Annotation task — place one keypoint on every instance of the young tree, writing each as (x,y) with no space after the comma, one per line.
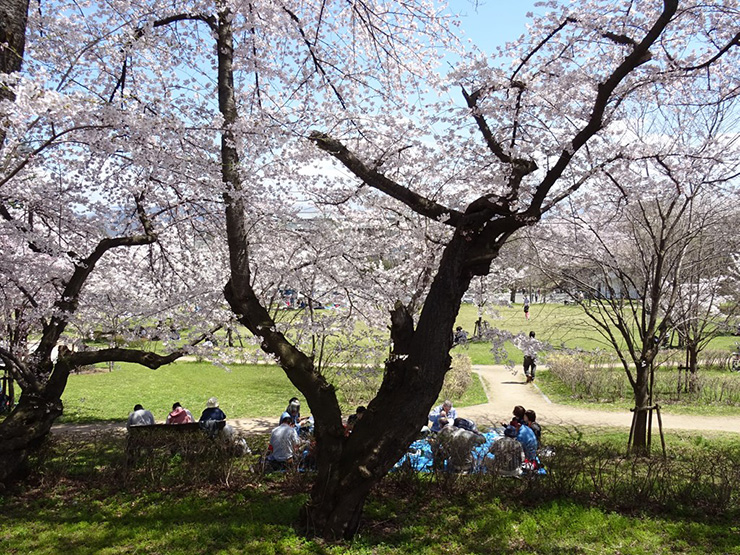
(703,310)
(635,249)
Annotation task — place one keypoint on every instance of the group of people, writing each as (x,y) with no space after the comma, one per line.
(454,440)
(518,448)
(289,441)
(292,440)
(178,415)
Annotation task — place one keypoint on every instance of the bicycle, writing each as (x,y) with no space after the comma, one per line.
(733,361)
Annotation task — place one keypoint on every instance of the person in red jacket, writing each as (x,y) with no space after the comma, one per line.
(179,415)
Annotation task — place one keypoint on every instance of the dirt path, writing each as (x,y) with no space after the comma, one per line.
(504,390)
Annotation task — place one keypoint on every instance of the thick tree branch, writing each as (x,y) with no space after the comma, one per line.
(69,299)
(138,356)
(376,180)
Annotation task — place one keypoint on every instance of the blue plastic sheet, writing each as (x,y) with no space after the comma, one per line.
(420,456)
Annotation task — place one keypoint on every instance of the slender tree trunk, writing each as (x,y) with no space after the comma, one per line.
(693,364)
(642,399)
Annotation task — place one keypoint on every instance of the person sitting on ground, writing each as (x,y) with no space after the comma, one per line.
(140,417)
(508,454)
(518,418)
(294,409)
(446,410)
(530,418)
(352,419)
(283,443)
(179,415)
(455,445)
(526,437)
(460,337)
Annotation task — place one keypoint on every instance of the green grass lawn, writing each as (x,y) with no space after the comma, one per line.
(557,324)
(246,391)
(257,521)
(243,391)
(80,500)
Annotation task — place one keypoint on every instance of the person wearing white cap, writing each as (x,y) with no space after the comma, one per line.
(213,415)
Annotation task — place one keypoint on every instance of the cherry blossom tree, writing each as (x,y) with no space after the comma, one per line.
(538,131)
(705,308)
(72,196)
(542,127)
(173,80)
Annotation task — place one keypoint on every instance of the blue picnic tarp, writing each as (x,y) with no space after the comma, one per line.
(420,456)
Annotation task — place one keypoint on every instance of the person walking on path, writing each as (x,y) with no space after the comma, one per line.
(530,357)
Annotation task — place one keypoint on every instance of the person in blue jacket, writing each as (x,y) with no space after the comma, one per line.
(526,437)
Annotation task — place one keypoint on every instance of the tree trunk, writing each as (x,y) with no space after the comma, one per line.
(13,20)
(25,430)
(414,376)
(347,472)
(642,400)
(693,364)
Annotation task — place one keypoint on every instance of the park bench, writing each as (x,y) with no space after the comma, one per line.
(189,440)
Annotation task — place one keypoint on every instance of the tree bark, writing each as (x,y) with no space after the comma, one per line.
(642,401)
(23,431)
(13,20)
(414,376)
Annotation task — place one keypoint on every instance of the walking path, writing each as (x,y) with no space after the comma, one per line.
(504,391)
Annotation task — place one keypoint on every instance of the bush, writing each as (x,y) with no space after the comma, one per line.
(459,378)
(586,376)
(597,377)
(696,480)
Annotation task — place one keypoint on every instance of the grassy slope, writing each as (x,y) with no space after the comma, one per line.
(243,391)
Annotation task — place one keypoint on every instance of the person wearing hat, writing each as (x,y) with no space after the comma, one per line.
(508,454)
(283,443)
(213,421)
(212,411)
